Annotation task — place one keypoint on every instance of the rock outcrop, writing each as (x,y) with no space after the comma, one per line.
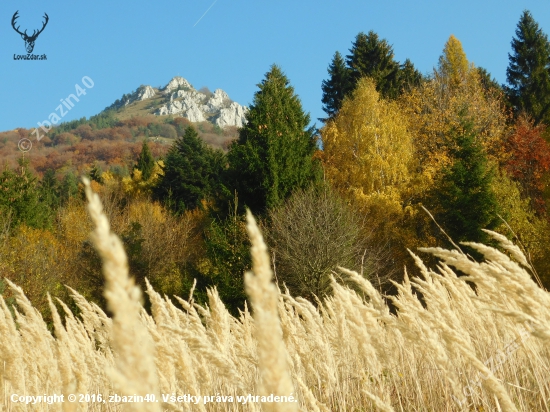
(234,115)
(179,98)
(216,107)
(141,93)
(175,83)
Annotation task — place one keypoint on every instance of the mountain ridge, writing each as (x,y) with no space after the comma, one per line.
(180,99)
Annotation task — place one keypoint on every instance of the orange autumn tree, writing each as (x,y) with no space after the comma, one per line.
(528,161)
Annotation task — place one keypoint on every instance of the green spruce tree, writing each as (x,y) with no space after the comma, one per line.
(528,72)
(408,77)
(146,162)
(463,197)
(69,187)
(192,173)
(488,82)
(372,57)
(274,152)
(337,87)
(95,173)
(49,189)
(20,198)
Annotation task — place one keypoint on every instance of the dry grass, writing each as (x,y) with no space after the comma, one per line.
(457,349)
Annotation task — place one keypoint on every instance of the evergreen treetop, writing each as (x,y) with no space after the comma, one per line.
(337,86)
(528,72)
(191,172)
(21,198)
(146,162)
(373,57)
(274,151)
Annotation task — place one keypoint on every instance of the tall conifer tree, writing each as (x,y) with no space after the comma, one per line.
(464,195)
(408,77)
(191,173)
(528,72)
(20,197)
(337,86)
(274,152)
(146,162)
(372,57)
(453,65)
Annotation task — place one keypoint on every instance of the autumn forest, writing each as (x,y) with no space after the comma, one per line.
(402,160)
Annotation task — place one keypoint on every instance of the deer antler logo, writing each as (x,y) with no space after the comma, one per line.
(29,40)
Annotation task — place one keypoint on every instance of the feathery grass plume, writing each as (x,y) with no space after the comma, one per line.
(11,354)
(95,321)
(35,338)
(135,371)
(64,352)
(264,295)
(501,277)
(314,403)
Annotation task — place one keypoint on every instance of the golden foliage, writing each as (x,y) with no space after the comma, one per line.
(443,103)
(367,147)
(531,231)
(36,260)
(136,186)
(453,64)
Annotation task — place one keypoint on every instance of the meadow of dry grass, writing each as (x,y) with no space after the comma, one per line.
(460,348)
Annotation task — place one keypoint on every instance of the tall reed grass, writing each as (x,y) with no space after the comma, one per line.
(457,348)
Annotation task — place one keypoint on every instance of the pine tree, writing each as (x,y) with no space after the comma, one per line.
(191,173)
(146,162)
(69,187)
(49,189)
(488,82)
(20,198)
(95,173)
(274,152)
(464,198)
(372,57)
(337,87)
(528,72)
(408,77)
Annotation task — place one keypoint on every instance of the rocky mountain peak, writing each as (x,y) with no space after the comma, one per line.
(180,99)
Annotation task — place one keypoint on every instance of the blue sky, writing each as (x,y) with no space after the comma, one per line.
(121,45)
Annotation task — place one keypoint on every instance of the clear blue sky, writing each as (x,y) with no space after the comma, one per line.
(121,45)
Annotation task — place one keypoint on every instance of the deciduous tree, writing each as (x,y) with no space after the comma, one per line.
(367,147)
(528,160)
(454,92)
